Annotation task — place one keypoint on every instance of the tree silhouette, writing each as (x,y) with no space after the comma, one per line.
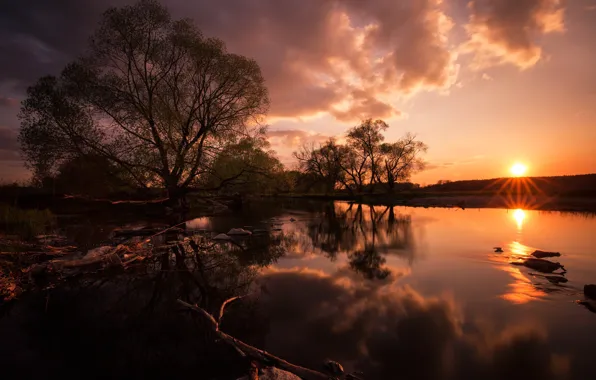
(152,95)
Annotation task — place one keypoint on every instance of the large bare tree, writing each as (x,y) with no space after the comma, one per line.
(151,94)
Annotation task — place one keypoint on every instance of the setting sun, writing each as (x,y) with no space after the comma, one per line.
(518,169)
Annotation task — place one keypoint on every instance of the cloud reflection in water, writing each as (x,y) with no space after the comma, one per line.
(390,330)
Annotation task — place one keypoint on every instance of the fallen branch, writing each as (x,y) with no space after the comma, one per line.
(248,350)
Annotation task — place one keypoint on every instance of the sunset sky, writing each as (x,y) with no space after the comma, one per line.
(485,83)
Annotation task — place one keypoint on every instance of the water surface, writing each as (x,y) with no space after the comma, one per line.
(421,292)
(394,292)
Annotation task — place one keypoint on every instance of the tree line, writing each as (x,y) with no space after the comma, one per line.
(364,162)
(152,103)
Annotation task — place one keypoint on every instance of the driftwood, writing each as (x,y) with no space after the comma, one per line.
(253,352)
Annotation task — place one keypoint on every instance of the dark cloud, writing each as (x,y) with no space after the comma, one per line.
(38,37)
(390,331)
(508,31)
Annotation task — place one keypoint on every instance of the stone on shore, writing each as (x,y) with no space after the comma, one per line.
(239,232)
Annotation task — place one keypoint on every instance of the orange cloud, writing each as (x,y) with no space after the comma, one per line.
(507,31)
(347,58)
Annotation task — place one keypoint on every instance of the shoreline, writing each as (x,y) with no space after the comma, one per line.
(543,203)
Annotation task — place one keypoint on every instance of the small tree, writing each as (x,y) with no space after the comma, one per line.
(400,160)
(246,167)
(151,95)
(323,164)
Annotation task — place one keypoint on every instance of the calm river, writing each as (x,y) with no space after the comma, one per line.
(394,292)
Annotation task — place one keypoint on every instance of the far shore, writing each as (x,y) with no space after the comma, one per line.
(544,203)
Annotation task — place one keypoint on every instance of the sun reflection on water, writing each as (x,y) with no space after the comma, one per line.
(521,289)
(519,215)
(518,249)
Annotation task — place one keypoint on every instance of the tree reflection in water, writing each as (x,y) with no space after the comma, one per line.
(366,234)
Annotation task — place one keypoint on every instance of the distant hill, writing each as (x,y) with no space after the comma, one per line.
(573,186)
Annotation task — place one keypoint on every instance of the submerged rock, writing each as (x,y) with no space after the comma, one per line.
(540,265)
(590,291)
(239,232)
(556,279)
(498,250)
(542,254)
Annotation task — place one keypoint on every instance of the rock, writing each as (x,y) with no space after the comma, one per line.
(239,232)
(542,254)
(541,265)
(334,368)
(498,249)
(222,237)
(556,279)
(590,291)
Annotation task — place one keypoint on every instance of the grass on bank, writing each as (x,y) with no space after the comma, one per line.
(25,223)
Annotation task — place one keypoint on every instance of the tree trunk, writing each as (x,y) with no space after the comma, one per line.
(177,198)
(391,186)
